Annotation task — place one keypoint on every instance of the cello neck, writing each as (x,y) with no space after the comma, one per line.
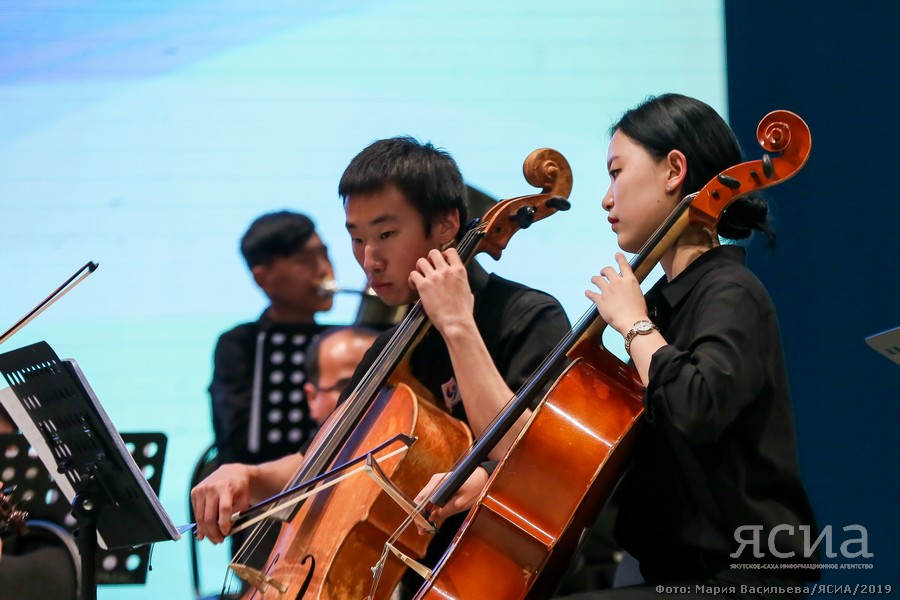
(590,327)
(404,340)
(779,131)
(588,330)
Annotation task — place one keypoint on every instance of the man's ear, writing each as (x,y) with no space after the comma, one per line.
(445,228)
(260,276)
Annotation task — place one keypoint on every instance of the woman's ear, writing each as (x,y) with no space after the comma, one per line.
(676,170)
(445,228)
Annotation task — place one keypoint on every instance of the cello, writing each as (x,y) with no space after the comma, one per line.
(11,517)
(325,541)
(515,544)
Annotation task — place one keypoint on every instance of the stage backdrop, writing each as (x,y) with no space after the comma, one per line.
(147,135)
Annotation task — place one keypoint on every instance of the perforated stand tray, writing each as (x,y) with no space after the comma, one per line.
(37,493)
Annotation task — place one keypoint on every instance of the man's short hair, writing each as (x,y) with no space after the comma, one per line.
(427,176)
(313,371)
(275,235)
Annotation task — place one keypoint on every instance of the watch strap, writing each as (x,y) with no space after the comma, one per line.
(640,327)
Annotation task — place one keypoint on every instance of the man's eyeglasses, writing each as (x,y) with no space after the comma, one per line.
(310,256)
(338,386)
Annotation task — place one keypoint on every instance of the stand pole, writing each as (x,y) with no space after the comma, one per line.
(85,511)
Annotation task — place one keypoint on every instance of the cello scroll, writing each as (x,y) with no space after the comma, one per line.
(779,131)
(544,168)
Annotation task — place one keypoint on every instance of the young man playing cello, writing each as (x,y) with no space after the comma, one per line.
(405,205)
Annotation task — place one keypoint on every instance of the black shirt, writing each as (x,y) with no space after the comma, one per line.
(519,326)
(717,451)
(259,410)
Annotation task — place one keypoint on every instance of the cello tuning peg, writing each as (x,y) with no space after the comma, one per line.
(728,181)
(559,203)
(524,217)
(768,167)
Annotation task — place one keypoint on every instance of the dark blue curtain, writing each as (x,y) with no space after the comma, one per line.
(834,271)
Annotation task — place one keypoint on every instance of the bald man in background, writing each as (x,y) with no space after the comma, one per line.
(330,362)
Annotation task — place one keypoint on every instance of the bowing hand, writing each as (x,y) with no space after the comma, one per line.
(218,497)
(462,500)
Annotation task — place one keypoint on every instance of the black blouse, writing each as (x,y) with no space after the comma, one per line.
(718,450)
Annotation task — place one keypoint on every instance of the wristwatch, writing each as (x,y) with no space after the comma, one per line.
(642,327)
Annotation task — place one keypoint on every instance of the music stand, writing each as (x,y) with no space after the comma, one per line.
(35,491)
(887,343)
(54,406)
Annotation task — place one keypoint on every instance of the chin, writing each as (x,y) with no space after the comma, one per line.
(628,245)
(394,300)
(633,241)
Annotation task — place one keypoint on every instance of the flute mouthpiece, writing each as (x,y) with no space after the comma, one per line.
(328,287)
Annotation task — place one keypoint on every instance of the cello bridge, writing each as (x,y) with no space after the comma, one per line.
(257,578)
(374,470)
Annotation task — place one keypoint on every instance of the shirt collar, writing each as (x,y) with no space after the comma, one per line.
(478,277)
(676,291)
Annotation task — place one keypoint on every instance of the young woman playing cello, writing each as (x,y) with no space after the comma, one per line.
(715,467)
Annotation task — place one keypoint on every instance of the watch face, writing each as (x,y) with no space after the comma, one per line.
(643,326)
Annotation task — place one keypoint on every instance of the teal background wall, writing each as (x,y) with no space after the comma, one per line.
(146,135)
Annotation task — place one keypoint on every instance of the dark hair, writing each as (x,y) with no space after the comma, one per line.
(427,176)
(275,235)
(312,352)
(669,122)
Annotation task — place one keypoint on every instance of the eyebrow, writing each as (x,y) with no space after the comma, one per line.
(376,221)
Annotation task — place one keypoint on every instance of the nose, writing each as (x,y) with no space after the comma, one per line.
(607,201)
(325,268)
(372,261)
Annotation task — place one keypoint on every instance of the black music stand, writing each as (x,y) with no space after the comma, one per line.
(54,406)
(36,492)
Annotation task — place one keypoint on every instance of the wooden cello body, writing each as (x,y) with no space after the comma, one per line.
(519,538)
(544,495)
(322,550)
(327,545)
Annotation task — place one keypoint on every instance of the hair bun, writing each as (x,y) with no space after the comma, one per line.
(745,216)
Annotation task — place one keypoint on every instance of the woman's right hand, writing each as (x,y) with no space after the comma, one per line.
(219,496)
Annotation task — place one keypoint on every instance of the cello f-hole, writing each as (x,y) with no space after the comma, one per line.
(309,575)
